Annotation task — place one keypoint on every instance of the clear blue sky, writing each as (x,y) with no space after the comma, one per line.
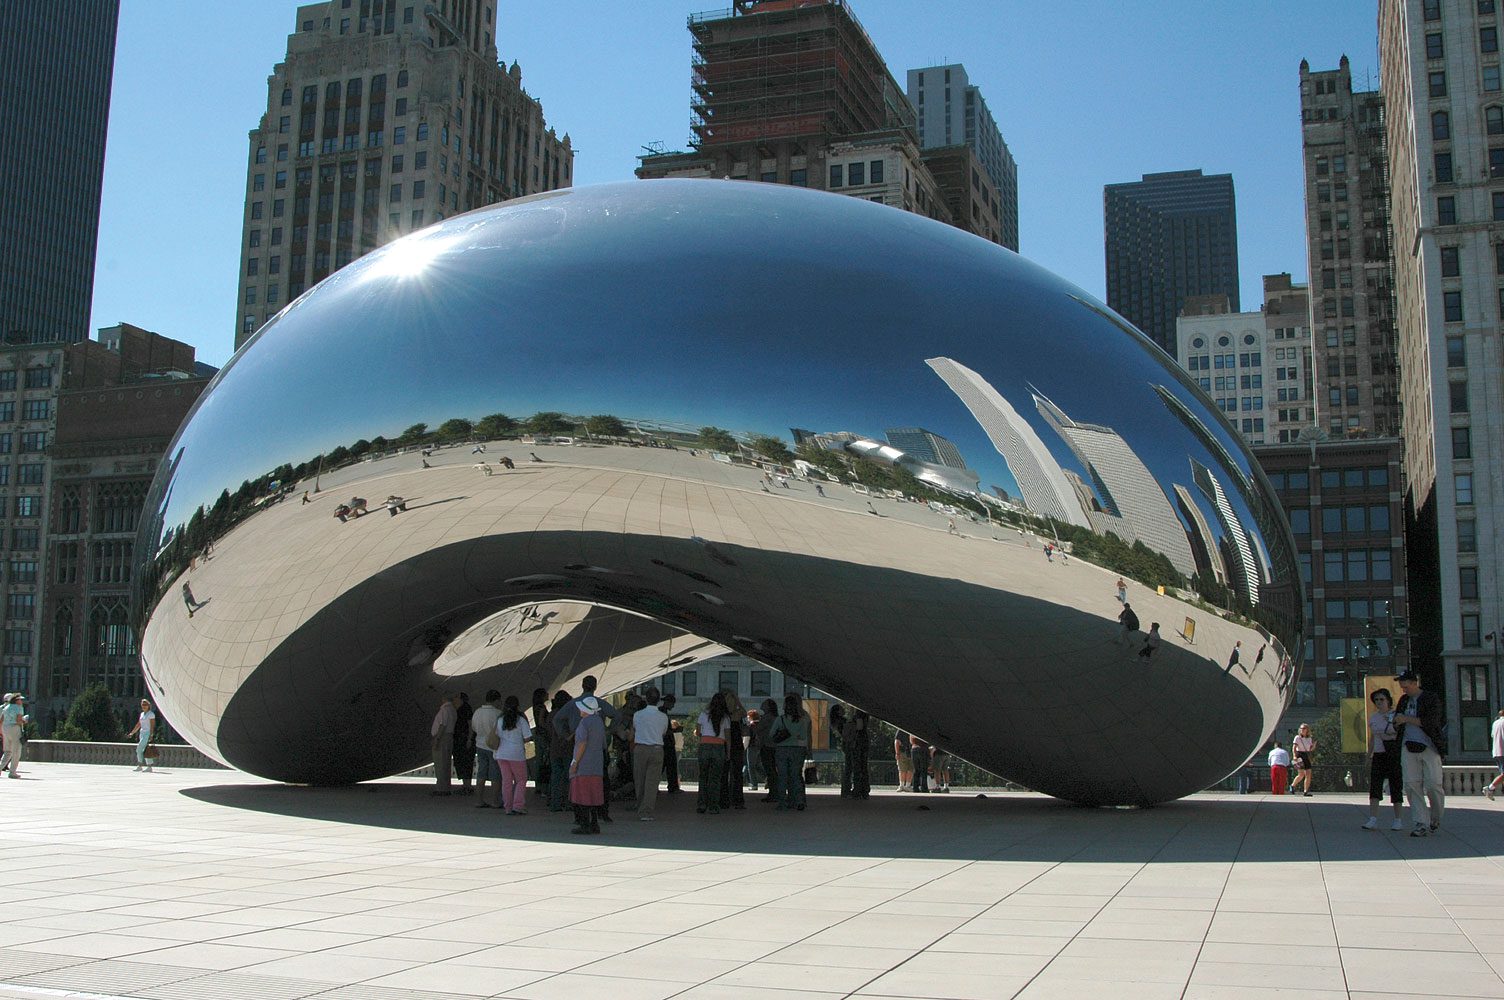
(1086,94)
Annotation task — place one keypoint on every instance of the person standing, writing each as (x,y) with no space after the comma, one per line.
(940,769)
(442,734)
(587,766)
(648,726)
(671,745)
(1384,762)
(513,732)
(464,743)
(1151,642)
(1304,746)
(13,720)
(561,750)
(1279,769)
(1129,620)
(791,738)
(732,794)
(486,738)
(1122,592)
(146,725)
(1418,718)
(902,756)
(543,739)
(919,752)
(765,750)
(853,743)
(606,715)
(1497,735)
(714,730)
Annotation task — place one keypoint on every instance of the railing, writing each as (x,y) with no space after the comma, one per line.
(169,755)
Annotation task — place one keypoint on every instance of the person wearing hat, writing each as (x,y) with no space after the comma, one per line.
(587,771)
(13,719)
(1418,721)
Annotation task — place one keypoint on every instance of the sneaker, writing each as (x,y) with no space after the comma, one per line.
(1420,831)
(1435,826)
(1490,794)
(1397,825)
(1489,791)
(1306,795)
(148,768)
(1372,824)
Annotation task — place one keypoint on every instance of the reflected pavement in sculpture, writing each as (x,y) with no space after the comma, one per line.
(641,355)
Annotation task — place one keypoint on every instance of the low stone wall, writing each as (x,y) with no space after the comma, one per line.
(174,755)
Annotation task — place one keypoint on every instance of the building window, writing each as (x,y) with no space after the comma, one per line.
(1446,211)
(1443,168)
(1451,263)
(1456,354)
(419,189)
(1491,80)
(1467,583)
(1467,536)
(1434,49)
(1441,126)
(1462,442)
(1475,706)
(24,606)
(1462,488)
(1493,119)
(36,409)
(875,171)
(1488,39)
(1438,83)
(1431,10)
(1457,396)
(1451,306)
(856,174)
(762,684)
(690,681)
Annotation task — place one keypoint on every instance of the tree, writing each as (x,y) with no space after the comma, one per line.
(771,448)
(379,443)
(338,456)
(414,434)
(455,429)
(495,425)
(91,717)
(359,448)
(717,439)
(829,461)
(605,425)
(549,422)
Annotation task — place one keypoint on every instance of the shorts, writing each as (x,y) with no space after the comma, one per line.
(1303,760)
(1499,762)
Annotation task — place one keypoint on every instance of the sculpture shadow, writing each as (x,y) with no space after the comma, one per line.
(1023,827)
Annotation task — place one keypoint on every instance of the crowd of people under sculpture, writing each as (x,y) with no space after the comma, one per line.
(586,753)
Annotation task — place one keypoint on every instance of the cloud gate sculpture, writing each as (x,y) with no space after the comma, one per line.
(702,405)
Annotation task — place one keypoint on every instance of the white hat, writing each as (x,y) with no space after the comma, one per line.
(588,706)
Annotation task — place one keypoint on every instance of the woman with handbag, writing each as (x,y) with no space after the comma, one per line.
(715,732)
(146,725)
(791,745)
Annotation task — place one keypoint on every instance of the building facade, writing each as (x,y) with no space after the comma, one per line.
(1350,258)
(1169,236)
(1345,505)
(951,112)
(383,118)
(927,446)
(1444,118)
(56,64)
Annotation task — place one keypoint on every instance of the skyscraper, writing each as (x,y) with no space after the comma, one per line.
(1237,553)
(56,62)
(1169,236)
(927,446)
(384,117)
(1444,117)
(1041,480)
(1356,391)
(952,112)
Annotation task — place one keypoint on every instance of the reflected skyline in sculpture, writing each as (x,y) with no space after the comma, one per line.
(718,467)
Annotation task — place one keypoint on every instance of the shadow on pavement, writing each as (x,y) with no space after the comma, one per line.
(1000,827)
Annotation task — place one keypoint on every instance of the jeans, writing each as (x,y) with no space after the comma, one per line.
(1423,786)
(558,789)
(485,767)
(790,775)
(647,769)
(141,742)
(712,764)
(921,758)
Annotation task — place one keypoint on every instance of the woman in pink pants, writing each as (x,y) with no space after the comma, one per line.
(513,731)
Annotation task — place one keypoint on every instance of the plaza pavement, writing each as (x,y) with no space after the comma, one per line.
(194,885)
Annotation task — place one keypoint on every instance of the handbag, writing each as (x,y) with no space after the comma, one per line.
(810,773)
(1415,746)
(781,732)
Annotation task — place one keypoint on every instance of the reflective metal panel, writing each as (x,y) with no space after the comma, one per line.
(692,383)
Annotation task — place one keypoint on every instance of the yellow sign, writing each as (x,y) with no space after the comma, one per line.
(1190,630)
(1354,725)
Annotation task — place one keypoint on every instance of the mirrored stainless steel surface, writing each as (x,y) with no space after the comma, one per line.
(829,435)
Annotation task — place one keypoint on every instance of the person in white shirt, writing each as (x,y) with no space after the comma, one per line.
(1384,764)
(1279,768)
(146,724)
(1498,740)
(649,726)
(512,733)
(442,735)
(483,725)
(1304,746)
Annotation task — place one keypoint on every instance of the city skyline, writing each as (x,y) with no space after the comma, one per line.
(143,246)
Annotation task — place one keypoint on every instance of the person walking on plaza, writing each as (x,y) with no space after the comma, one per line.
(671,745)
(561,749)
(143,730)
(714,730)
(513,732)
(193,603)
(766,752)
(1384,762)
(587,766)
(732,789)
(543,739)
(486,738)
(464,743)
(1279,769)
(1497,737)
(648,726)
(1304,746)
(919,753)
(1418,718)
(791,738)
(13,720)
(1237,654)
(1151,642)
(442,734)
(903,757)
(1129,620)
(1122,591)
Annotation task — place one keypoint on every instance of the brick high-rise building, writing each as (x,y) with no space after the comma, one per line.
(384,117)
(1356,384)
(1444,115)
(1168,237)
(56,62)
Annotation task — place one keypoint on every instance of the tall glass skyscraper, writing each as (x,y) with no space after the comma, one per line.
(56,61)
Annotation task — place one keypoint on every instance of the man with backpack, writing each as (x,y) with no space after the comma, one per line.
(483,725)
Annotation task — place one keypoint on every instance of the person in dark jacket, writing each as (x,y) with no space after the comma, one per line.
(561,750)
(765,747)
(670,745)
(1418,719)
(464,744)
